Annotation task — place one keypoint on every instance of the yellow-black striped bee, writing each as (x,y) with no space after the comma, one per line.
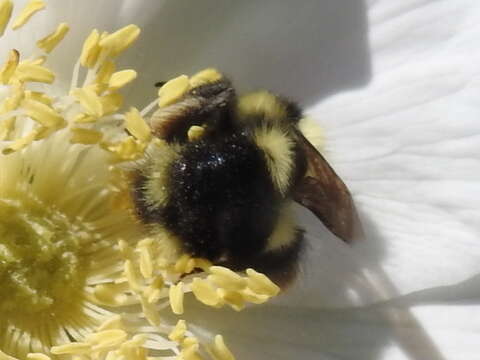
(226,173)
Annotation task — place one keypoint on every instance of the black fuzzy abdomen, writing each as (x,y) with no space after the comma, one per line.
(222,202)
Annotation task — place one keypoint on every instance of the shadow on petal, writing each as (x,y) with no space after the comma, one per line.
(305,51)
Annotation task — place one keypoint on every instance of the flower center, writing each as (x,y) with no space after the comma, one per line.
(40,262)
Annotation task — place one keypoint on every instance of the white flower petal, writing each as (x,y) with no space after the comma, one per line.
(407,146)
(388,331)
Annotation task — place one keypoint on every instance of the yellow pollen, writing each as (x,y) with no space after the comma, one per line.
(49,42)
(173,90)
(252,297)
(190,352)
(220,349)
(178,332)
(106,338)
(185,264)
(10,66)
(84,118)
(89,100)
(132,276)
(176,298)
(44,131)
(111,103)
(27,12)
(38,356)
(90,49)
(195,132)
(189,341)
(261,284)
(6,7)
(205,292)
(146,263)
(20,143)
(91,298)
(227,278)
(71,348)
(232,298)
(203,264)
(85,136)
(127,149)
(106,71)
(120,40)
(137,126)
(28,71)
(4,356)
(42,113)
(121,78)
(14,100)
(204,77)
(111,294)
(39,96)
(6,127)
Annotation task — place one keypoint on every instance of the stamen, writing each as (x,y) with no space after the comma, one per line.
(173,90)
(30,71)
(12,102)
(38,356)
(111,103)
(232,298)
(42,113)
(10,66)
(220,350)
(106,338)
(120,40)
(146,263)
(6,7)
(39,96)
(149,107)
(77,348)
(176,298)
(253,297)
(127,149)
(28,11)
(184,265)
(75,74)
(89,100)
(91,49)
(83,118)
(85,136)
(6,127)
(226,278)
(205,293)
(121,78)
(142,276)
(49,42)
(4,356)
(105,72)
(204,77)
(178,332)
(261,284)
(150,311)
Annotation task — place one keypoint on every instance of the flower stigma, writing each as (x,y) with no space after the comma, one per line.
(81,279)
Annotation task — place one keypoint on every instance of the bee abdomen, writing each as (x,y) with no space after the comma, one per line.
(222,201)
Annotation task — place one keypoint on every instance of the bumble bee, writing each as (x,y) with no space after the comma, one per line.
(225,173)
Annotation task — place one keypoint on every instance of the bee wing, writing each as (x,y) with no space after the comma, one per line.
(325,194)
